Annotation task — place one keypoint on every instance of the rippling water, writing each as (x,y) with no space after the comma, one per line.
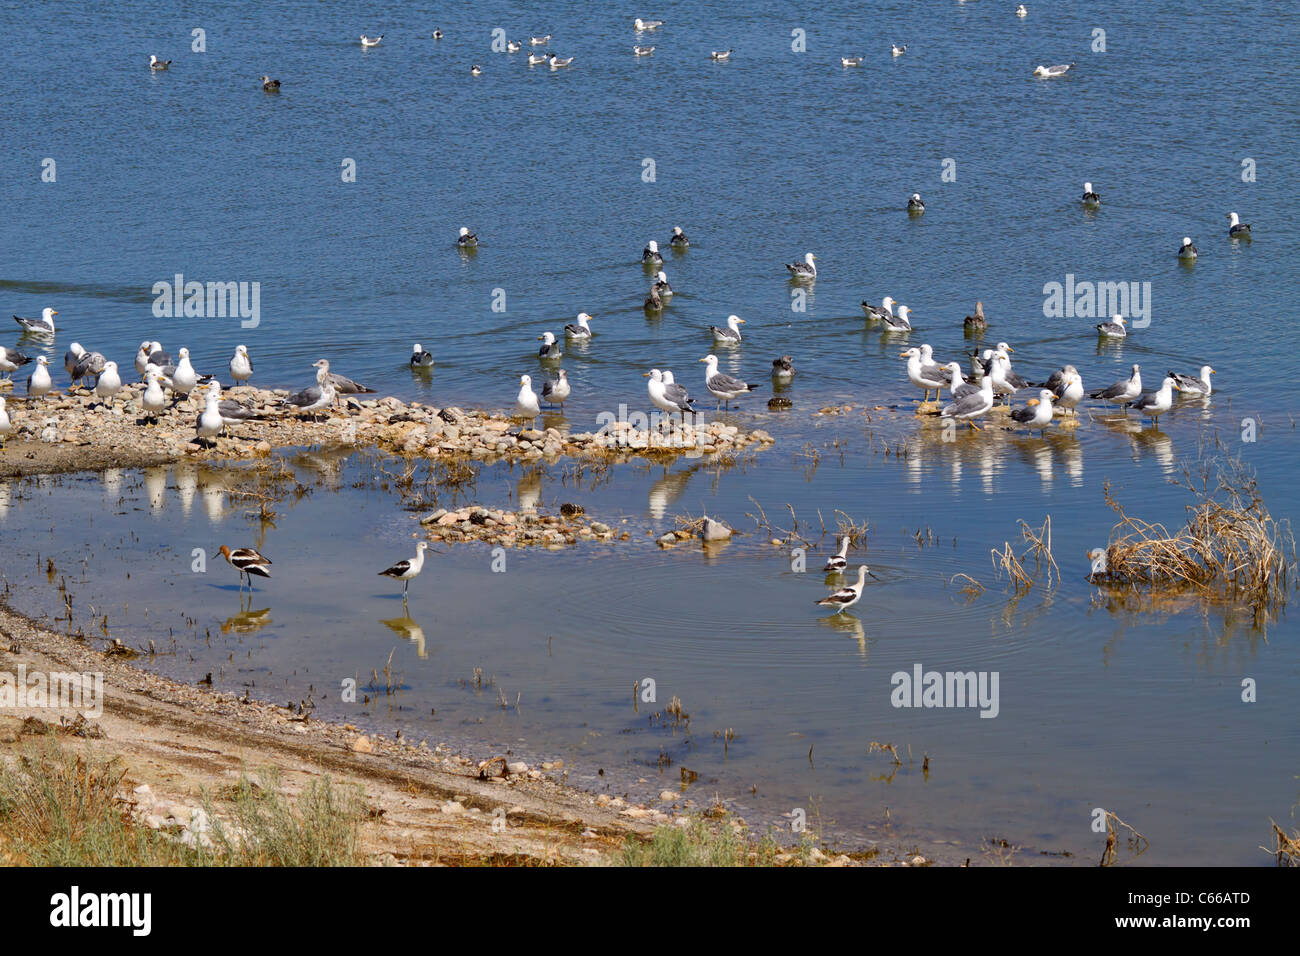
(760,160)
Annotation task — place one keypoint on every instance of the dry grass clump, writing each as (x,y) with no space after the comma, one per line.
(1006,561)
(1285,849)
(1231,549)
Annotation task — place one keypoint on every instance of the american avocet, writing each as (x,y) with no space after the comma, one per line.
(241,366)
(39,382)
(731,333)
(1098,566)
(420,358)
(804,270)
(248,562)
(407,568)
(840,559)
(42,326)
(720,385)
(1192,385)
(1123,391)
(846,597)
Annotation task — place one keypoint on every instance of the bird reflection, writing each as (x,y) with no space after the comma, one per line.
(155,483)
(247,620)
(668,488)
(187,483)
(849,624)
(528,490)
(406,628)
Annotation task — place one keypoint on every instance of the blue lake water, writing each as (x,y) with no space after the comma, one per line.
(760,159)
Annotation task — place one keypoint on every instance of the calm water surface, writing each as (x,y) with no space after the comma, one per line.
(760,160)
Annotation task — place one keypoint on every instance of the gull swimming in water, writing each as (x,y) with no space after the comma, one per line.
(643,25)
(1187,250)
(537,59)
(976,322)
(840,559)
(367,41)
(879,314)
(466,239)
(158,65)
(915,205)
(896,50)
(108,384)
(850,61)
(247,561)
(580,331)
(720,385)
(1123,391)
(653,302)
(901,322)
(1193,385)
(642,50)
(1114,329)
(269,85)
(804,270)
(241,366)
(550,349)
(731,334)
(11,360)
(661,284)
(1155,404)
(557,62)
(651,254)
(782,369)
(1022,11)
(1236,228)
(1037,412)
(679,240)
(407,568)
(420,358)
(42,326)
(1059,69)
(555,391)
(972,406)
(539,41)
(846,597)
(720,55)
(526,403)
(476,70)
(39,382)
(1090,198)
(514,46)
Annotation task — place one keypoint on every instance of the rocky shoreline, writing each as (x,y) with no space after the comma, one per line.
(74,431)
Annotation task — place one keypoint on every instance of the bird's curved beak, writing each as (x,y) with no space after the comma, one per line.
(872,574)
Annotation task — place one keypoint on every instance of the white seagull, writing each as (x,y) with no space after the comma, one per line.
(158,65)
(550,349)
(241,366)
(581,330)
(1123,391)
(720,55)
(1059,69)
(850,61)
(1187,250)
(651,254)
(721,386)
(914,204)
(42,326)
(731,333)
(1114,329)
(1037,413)
(643,25)
(367,41)
(1236,228)
(804,270)
(39,382)
(972,406)
(108,384)
(555,391)
(153,400)
(1156,403)
(1193,385)
(420,358)
(1090,198)
(526,403)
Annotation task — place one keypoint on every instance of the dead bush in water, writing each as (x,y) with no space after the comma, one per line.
(1231,549)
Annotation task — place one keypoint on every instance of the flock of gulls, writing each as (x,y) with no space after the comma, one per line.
(1061,392)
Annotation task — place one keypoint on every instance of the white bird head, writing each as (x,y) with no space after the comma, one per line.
(322,364)
(585,317)
(887,304)
(1003,347)
(911,353)
(1232,218)
(42,360)
(464,230)
(653,246)
(110,367)
(1187,240)
(1087,187)
(525,380)
(735,320)
(546,337)
(1118,320)
(662,276)
(47,315)
(144,347)
(241,349)
(1206,371)
(184,353)
(421,547)
(76,349)
(415,349)
(711,360)
(155,347)
(654,375)
(904,312)
(916,197)
(810,258)
(677,230)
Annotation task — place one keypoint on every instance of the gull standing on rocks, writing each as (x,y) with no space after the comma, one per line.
(241,366)
(181,378)
(11,360)
(730,334)
(315,397)
(210,424)
(420,358)
(720,385)
(804,270)
(108,384)
(153,400)
(39,382)
(526,403)
(1122,392)
(555,391)
(974,405)
(42,326)
(845,598)
(6,426)
(247,561)
(407,568)
(1037,413)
